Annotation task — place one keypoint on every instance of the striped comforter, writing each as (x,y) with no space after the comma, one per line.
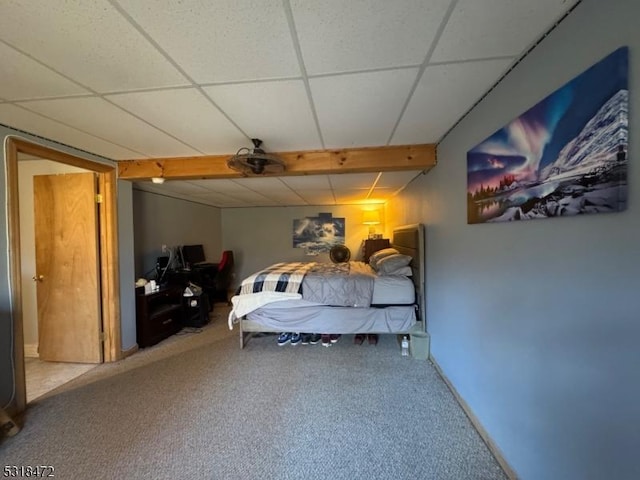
(280,277)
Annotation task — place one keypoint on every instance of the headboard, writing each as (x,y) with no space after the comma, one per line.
(409,240)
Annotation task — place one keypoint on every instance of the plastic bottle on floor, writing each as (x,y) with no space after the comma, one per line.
(405,346)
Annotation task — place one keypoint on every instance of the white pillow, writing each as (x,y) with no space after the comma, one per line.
(375,257)
(404,271)
(392,263)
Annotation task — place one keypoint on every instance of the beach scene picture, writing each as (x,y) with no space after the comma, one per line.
(566,155)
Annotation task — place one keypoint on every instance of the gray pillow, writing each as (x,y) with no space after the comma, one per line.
(375,257)
(392,263)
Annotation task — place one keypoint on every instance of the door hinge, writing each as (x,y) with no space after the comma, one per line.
(98,198)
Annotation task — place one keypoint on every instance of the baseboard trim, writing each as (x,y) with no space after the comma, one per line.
(493,448)
(129,352)
(31,350)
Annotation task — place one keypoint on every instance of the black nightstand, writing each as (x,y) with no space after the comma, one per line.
(373,245)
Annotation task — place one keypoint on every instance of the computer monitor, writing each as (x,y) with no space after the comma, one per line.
(193,254)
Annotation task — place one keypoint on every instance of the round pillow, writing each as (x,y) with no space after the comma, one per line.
(339,254)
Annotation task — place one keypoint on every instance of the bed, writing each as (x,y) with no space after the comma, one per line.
(351,297)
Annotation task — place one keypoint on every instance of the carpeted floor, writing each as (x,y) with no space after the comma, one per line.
(197,406)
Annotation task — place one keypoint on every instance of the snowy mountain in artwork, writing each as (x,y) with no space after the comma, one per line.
(596,143)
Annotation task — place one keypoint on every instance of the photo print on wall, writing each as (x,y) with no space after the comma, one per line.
(318,234)
(567,155)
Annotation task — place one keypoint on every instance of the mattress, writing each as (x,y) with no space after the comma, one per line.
(393,290)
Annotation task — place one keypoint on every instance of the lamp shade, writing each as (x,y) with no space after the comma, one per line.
(371,217)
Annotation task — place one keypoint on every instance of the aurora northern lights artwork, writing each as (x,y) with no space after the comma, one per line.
(567,155)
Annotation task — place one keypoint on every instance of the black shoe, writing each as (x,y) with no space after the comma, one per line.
(314,339)
(305,338)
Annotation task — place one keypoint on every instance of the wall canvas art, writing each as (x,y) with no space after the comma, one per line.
(564,156)
(318,234)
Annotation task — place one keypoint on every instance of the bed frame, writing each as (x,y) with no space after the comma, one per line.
(408,240)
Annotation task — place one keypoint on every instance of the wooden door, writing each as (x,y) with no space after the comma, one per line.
(67,268)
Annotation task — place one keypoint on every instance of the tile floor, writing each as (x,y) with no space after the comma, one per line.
(42,377)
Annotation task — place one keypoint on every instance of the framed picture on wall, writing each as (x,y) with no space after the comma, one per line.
(566,155)
(318,234)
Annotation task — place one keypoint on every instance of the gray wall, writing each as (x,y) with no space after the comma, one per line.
(537,323)
(127,273)
(260,237)
(160,220)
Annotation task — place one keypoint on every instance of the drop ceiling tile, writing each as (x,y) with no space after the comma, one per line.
(494,28)
(287,198)
(224,186)
(184,187)
(89,41)
(186,114)
(339,36)
(444,94)
(353,180)
(308,182)
(396,179)
(277,112)
(102,119)
(263,184)
(350,196)
(225,40)
(318,197)
(22,77)
(38,125)
(360,109)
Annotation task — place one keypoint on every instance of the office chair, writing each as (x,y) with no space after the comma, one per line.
(222,281)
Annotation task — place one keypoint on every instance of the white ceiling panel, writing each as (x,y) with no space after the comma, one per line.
(318,197)
(89,41)
(22,77)
(353,180)
(348,196)
(360,109)
(339,36)
(279,113)
(308,182)
(184,187)
(487,28)
(263,184)
(102,119)
(230,187)
(225,40)
(396,179)
(444,94)
(186,114)
(32,122)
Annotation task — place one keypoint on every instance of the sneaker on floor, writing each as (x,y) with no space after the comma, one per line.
(296,338)
(306,337)
(334,337)
(284,338)
(314,339)
(326,340)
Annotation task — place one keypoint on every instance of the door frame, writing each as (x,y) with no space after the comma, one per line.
(108,255)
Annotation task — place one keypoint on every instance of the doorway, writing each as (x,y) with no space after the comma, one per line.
(107,259)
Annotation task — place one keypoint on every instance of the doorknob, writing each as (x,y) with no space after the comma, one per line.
(38,278)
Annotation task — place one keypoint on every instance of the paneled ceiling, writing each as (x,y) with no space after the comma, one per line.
(132,79)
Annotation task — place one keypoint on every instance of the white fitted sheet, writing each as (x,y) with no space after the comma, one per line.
(393,290)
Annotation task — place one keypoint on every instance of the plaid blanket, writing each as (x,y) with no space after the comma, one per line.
(281,277)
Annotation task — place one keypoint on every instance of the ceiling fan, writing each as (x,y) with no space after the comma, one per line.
(255,161)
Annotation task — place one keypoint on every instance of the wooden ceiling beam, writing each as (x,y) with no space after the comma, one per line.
(311,162)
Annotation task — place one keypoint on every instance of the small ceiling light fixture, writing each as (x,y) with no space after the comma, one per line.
(157,180)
